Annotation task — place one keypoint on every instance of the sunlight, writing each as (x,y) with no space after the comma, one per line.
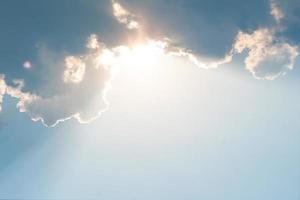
(143,54)
(148,52)
(139,55)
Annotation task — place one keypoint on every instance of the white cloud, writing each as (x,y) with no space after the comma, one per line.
(124,16)
(91,73)
(199,61)
(15,92)
(84,80)
(84,101)
(2,89)
(74,70)
(23,97)
(128,18)
(92,42)
(81,93)
(276,12)
(268,56)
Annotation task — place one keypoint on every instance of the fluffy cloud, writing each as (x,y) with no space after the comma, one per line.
(2,89)
(75,70)
(268,56)
(207,28)
(276,12)
(85,81)
(78,83)
(15,92)
(124,16)
(81,92)
(93,42)
(83,100)
(24,98)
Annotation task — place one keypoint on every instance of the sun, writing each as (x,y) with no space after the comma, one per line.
(140,55)
(148,52)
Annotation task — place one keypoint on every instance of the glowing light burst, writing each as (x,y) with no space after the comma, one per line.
(138,56)
(147,53)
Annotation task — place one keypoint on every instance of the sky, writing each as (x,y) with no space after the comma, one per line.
(144,99)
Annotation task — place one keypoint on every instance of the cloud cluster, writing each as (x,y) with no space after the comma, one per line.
(268,56)
(276,12)
(2,89)
(207,28)
(124,16)
(83,80)
(75,70)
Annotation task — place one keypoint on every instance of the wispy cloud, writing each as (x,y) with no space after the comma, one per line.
(2,89)
(86,79)
(276,12)
(124,16)
(268,56)
(81,87)
(84,84)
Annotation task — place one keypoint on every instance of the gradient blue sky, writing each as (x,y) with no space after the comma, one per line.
(173,130)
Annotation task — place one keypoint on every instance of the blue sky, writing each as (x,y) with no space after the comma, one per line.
(149,100)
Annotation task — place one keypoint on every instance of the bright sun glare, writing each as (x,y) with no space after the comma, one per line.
(141,54)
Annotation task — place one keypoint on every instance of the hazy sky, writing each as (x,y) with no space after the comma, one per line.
(149,99)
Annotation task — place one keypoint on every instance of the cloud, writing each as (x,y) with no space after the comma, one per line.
(2,89)
(74,70)
(210,39)
(268,56)
(207,28)
(197,59)
(84,100)
(290,22)
(77,85)
(93,42)
(24,98)
(276,12)
(124,16)
(81,93)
